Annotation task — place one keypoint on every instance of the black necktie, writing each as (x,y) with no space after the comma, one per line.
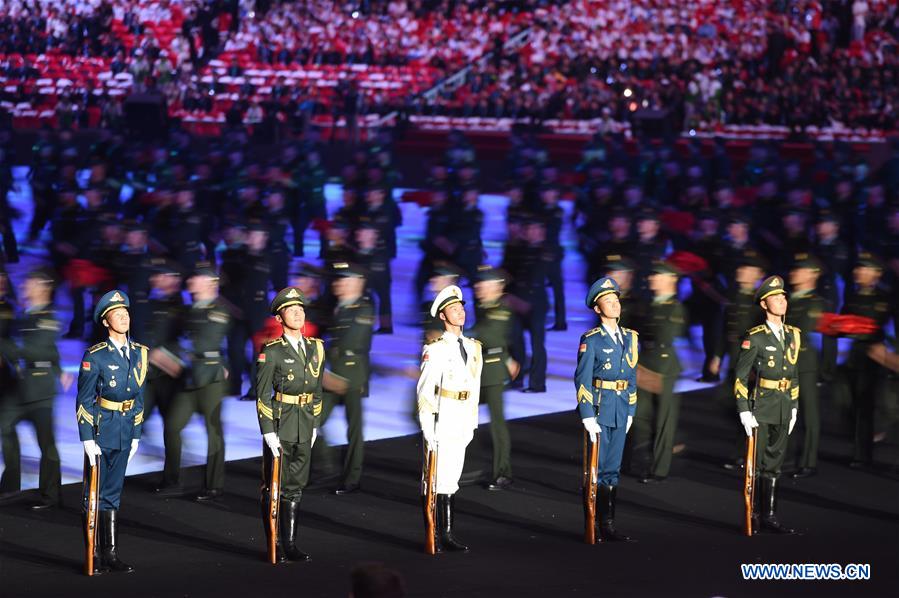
(125,355)
(619,338)
(462,350)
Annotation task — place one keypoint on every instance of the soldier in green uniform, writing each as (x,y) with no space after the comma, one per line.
(771,350)
(867,299)
(347,356)
(289,406)
(806,307)
(37,360)
(206,324)
(657,404)
(494,322)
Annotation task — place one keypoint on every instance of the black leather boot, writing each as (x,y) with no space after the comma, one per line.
(289,520)
(99,569)
(424,505)
(446,516)
(607,531)
(769,508)
(109,536)
(279,549)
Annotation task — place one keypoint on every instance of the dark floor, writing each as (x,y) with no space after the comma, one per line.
(526,542)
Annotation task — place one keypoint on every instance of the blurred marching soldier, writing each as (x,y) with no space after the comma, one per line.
(448,390)
(492,328)
(705,301)
(736,247)
(606,383)
(466,234)
(110,416)
(205,326)
(278,253)
(869,300)
(553,215)
(247,284)
(68,242)
(308,280)
(347,356)
(372,254)
(834,256)
(32,399)
(771,350)
(526,265)
(311,205)
(135,274)
(806,308)
(234,266)
(436,247)
(289,407)
(616,241)
(648,248)
(183,229)
(658,406)
(338,248)
(166,312)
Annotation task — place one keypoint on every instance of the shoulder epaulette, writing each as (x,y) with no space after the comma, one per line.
(433,340)
(139,346)
(592,332)
(97,347)
(274,341)
(791,328)
(630,330)
(757,329)
(477,341)
(315,339)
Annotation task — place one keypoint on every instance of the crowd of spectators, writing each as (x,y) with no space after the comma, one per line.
(704,64)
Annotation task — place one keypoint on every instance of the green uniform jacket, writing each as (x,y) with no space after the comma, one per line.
(805,311)
(206,327)
(281,369)
(492,329)
(351,341)
(39,331)
(665,321)
(761,351)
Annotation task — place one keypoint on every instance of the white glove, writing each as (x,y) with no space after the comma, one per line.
(134,443)
(793,421)
(314,436)
(274,445)
(92,451)
(748,421)
(630,422)
(592,427)
(427,429)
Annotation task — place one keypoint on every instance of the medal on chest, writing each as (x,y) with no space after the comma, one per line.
(112,383)
(290,375)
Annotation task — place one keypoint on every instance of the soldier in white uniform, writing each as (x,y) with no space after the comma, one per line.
(448,391)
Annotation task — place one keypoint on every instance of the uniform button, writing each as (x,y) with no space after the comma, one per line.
(128,389)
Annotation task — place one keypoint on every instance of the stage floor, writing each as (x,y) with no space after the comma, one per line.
(525,542)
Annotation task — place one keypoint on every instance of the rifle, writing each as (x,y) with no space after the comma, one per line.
(274,495)
(591,462)
(749,481)
(92,482)
(429,479)
(749,475)
(430,502)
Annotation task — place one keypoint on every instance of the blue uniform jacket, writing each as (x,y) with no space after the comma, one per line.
(600,357)
(105,373)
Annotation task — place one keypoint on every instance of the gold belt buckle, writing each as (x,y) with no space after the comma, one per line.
(620,384)
(463,395)
(783,385)
(127,405)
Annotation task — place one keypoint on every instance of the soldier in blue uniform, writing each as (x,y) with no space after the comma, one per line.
(606,383)
(110,413)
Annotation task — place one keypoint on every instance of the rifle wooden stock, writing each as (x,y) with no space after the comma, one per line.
(591,462)
(274,502)
(92,481)
(430,502)
(749,481)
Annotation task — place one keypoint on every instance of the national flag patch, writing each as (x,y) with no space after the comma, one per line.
(261,358)
(745,345)
(86,366)
(582,348)
(424,357)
